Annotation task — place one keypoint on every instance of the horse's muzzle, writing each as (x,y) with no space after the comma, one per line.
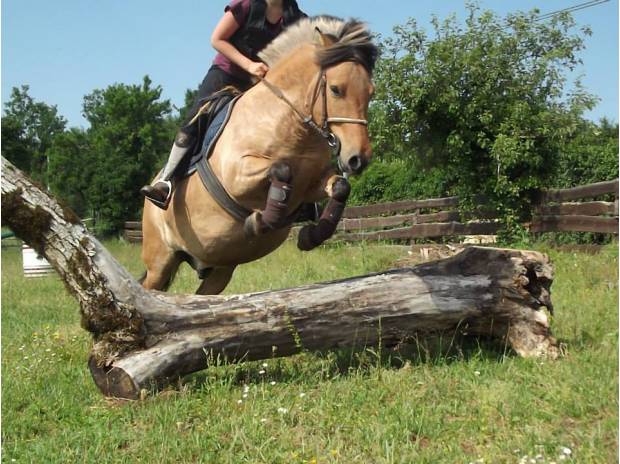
(353,165)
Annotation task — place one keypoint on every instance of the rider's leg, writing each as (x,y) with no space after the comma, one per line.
(160,191)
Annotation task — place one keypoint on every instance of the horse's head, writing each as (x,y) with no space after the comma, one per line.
(339,95)
(348,89)
(346,61)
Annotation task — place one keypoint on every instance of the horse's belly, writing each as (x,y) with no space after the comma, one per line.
(196,224)
(231,247)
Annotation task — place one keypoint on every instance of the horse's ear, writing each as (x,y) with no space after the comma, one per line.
(323,40)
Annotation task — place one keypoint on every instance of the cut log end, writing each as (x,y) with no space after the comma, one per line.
(145,340)
(113,382)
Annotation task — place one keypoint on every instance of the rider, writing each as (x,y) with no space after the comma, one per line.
(245,29)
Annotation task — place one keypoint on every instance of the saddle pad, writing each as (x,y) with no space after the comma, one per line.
(212,134)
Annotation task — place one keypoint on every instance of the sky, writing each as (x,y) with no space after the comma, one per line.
(65,49)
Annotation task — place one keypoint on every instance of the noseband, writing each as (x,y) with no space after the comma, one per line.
(320,88)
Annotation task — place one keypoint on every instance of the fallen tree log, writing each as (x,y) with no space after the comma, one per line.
(143,338)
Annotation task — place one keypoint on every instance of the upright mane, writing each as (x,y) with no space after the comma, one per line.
(352,42)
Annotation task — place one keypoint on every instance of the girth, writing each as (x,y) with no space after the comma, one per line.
(211,181)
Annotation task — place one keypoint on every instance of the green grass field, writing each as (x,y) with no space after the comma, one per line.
(476,403)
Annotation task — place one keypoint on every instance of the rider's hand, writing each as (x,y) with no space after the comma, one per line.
(258,69)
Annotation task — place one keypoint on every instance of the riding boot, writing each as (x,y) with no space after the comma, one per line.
(160,192)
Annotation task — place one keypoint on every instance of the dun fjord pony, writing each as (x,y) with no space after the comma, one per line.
(274,154)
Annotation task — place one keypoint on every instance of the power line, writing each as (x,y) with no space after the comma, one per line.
(570,9)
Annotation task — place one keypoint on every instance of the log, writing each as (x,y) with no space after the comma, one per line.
(577,223)
(398,206)
(133,225)
(583,191)
(590,208)
(144,338)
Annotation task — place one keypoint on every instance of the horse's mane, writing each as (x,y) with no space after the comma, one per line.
(352,42)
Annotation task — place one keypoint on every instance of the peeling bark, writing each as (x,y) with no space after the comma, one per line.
(144,338)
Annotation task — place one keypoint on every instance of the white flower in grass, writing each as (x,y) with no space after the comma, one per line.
(264,364)
(246,388)
(273,382)
(261,372)
(48,350)
(282,410)
(263,420)
(245,395)
(476,372)
(302,394)
(239,401)
(566,451)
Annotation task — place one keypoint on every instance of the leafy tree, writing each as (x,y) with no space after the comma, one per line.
(484,102)
(128,137)
(16,147)
(30,129)
(187,104)
(590,156)
(71,162)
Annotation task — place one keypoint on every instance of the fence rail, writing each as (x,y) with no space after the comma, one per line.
(556,211)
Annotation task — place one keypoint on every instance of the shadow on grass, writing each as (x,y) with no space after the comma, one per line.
(313,367)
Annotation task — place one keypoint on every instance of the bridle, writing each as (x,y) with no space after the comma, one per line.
(320,88)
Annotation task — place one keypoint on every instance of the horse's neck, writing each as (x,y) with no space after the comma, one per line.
(295,77)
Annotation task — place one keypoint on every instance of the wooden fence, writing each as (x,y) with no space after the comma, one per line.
(438,217)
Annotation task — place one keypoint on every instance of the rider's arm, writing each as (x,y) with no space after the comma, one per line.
(220,40)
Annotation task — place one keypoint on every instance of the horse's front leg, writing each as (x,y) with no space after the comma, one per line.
(312,235)
(278,197)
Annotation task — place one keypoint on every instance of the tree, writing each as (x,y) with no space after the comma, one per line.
(30,129)
(129,135)
(16,147)
(190,95)
(590,156)
(485,102)
(71,162)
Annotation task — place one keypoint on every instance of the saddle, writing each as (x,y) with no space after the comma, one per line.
(211,124)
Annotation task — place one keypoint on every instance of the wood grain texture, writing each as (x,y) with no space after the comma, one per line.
(582,191)
(577,223)
(146,338)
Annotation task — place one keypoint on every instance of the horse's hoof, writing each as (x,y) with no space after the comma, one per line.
(252,225)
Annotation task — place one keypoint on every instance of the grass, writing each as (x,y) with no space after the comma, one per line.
(425,406)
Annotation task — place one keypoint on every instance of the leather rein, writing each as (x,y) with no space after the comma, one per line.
(320,88)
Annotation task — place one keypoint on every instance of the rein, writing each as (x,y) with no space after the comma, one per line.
(320,88)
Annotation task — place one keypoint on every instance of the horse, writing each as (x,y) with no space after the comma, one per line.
(273,155)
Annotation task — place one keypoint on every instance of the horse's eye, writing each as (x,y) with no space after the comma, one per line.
(335,91)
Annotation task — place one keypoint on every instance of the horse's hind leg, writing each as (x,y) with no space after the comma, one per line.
(161,275)
(216,281)
(161,264)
